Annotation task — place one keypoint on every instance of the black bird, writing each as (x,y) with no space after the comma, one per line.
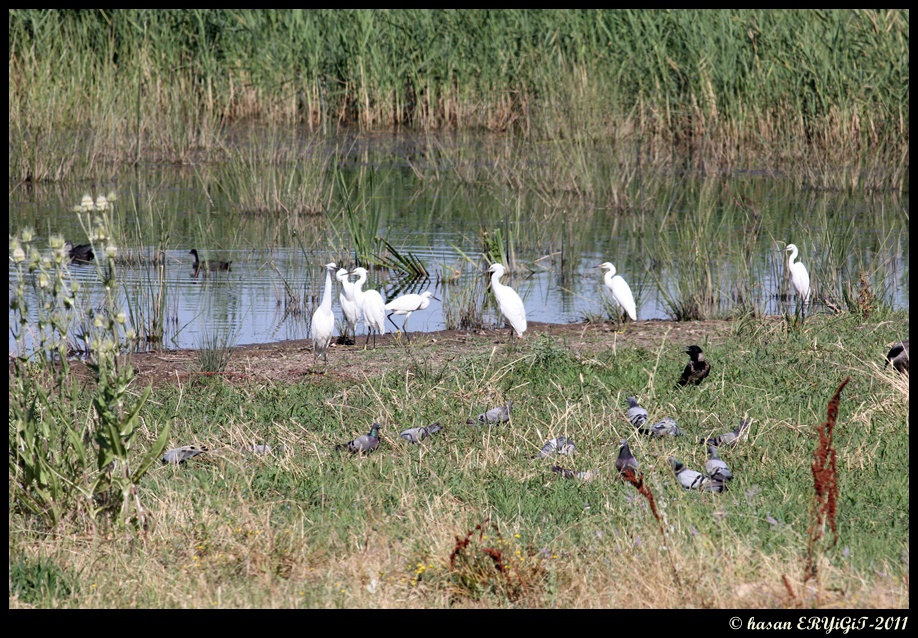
(696,369)
(199,265)
(898,356)
(80,254)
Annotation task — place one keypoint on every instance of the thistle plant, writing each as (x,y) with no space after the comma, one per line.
(64,466)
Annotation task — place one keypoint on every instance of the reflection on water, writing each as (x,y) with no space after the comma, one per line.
(695,239)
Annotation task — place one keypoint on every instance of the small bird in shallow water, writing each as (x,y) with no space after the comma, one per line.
(693,479)
(585,475)
(715,467)
(696,369)
(199,265)
(416,435)
(666,427)
(182,454)
(500,414)
(559,444)
(79,254)
(365,443)
(636,414)
(625,458)
(898,357)
(728,438)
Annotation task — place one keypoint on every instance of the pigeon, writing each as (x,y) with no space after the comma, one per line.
(636,414)
(416,435)
(585,475)
(666,427)
(696,369)
(693,479)
(559,444)
(364,443)
(499,414)
(182,454)
(715,467)
(898,357)
(730,437)
(625,458)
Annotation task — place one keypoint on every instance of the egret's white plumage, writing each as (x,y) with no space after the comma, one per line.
(620,290)
(323,319)
(348,302)
(406,304)
(510,304)
(371,305)
(800,278)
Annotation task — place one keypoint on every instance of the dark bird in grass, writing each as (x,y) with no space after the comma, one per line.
(80,254)
(199,265)
(636,414)
(898,357)
(500,414)
(585,475)
(625,458)
(559,444)
(696,369)
(182,454)
(666,427)
(416,435)
(693,479)
(728,438)
(716,467)
(363,444)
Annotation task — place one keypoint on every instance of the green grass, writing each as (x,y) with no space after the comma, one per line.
(309,527)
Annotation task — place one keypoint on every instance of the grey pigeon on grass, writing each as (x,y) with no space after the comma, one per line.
(585,475)
(715,467)
(416,435)
(500,414)
(728,438)
(666,427)
(363,444)
(181,454)
(636,414)
(693,479)
(625,458)
(559,444)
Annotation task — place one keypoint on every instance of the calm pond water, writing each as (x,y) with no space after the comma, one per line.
(675,230)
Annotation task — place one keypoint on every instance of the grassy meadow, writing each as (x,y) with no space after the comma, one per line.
(469,518)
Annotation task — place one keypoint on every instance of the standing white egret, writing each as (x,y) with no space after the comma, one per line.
(371,305)
(510,304)
(405,305)
(799,276)
(323,319)
(620,290)
(348,303)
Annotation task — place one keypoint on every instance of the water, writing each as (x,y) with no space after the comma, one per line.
(678,230)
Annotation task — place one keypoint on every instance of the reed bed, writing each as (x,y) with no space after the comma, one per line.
(821,95)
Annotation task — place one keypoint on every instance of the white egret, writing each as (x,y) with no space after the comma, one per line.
(620,290)
(371,305)
(323,319)
(799,276)
(510,304)
(348,303)
(405,305)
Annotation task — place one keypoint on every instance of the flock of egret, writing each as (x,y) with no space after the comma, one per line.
(357,303)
